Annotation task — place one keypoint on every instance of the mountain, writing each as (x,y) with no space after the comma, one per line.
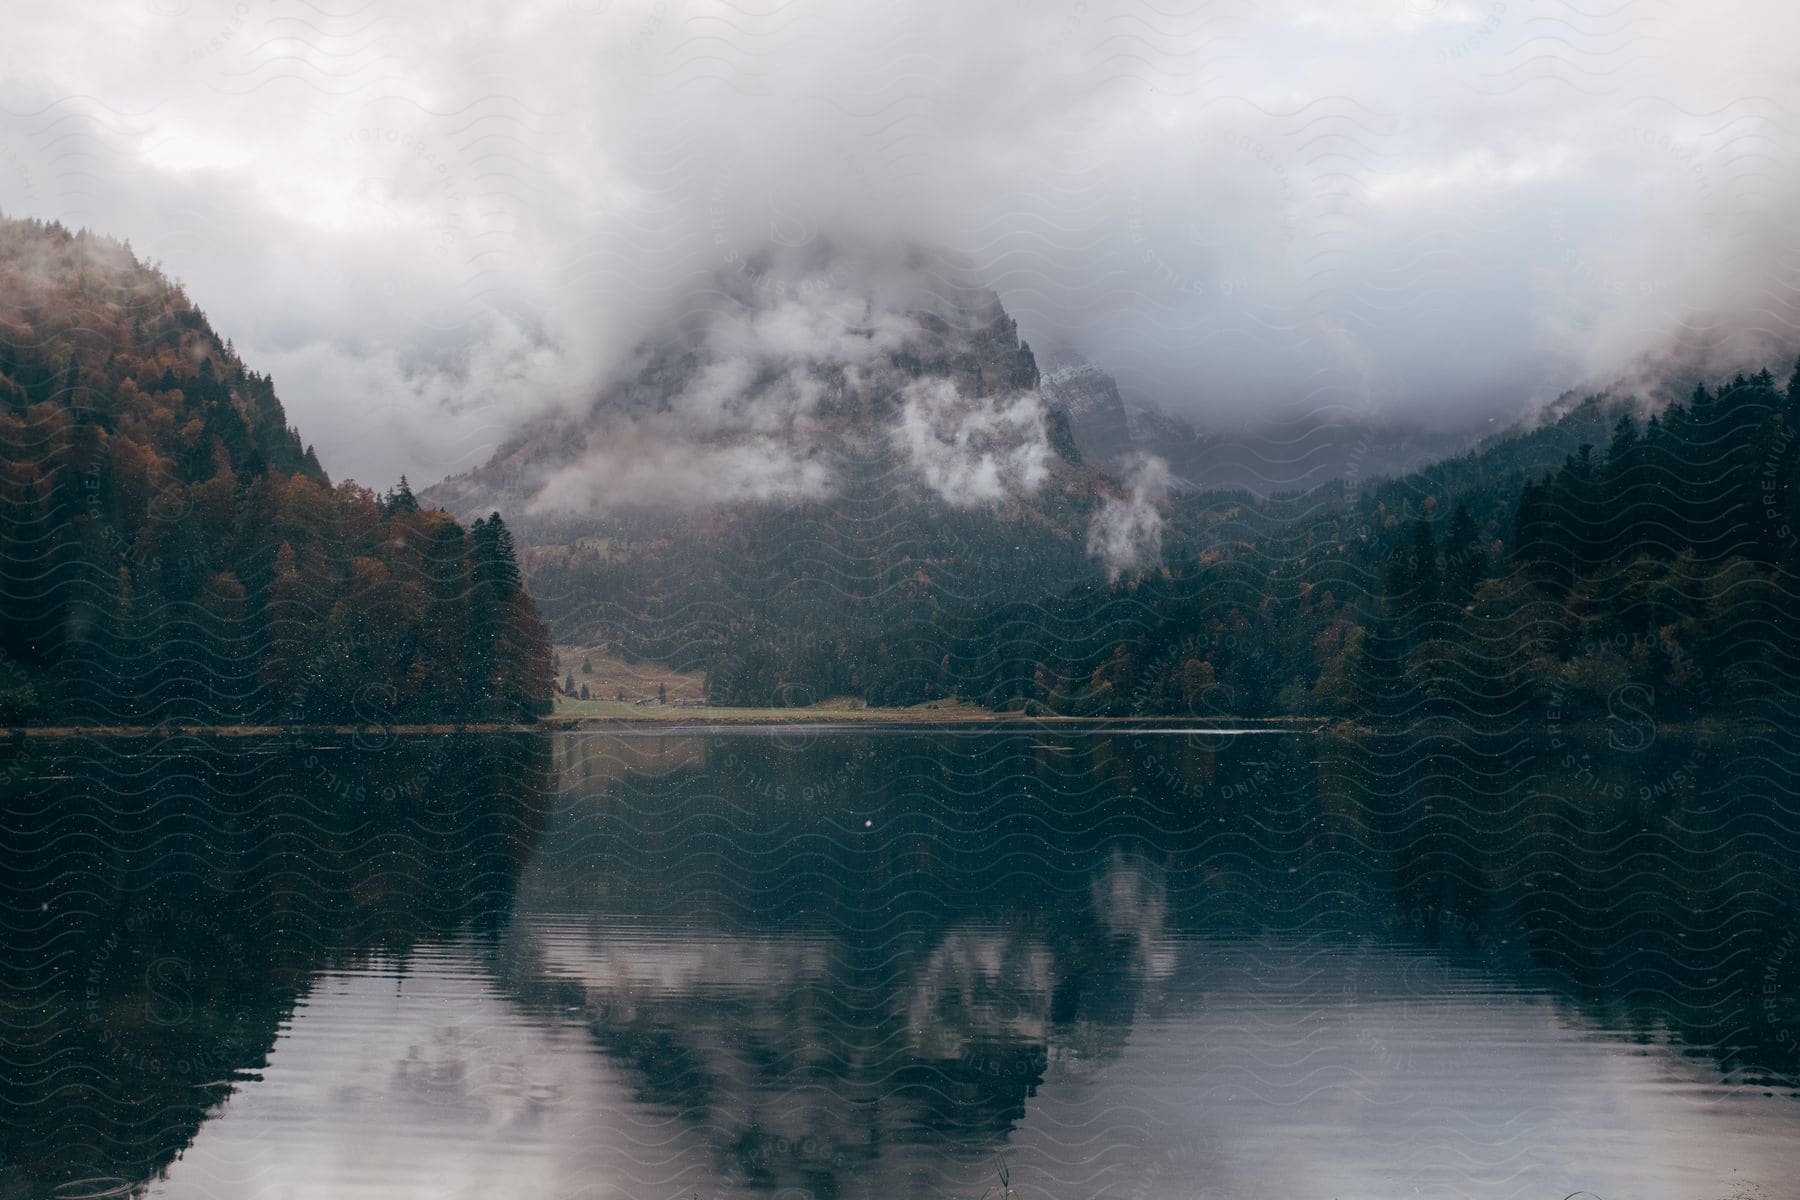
(1651,572)
(1104,429)
(832,449)
(782,379)
(169,548)
(827,442)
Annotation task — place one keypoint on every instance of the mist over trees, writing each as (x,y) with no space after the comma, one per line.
(170,549)
(1653,573)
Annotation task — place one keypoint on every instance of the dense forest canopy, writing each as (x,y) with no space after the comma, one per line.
(170,549)
(1654,571)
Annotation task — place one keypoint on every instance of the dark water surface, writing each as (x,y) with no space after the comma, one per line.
(876,965)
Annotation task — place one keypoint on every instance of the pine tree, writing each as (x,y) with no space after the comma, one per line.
(1426,579)
(401,499)
(1465,562)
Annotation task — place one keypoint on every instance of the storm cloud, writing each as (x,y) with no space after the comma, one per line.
(433,224)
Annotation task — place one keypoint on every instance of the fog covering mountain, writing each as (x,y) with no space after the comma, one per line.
(835,446)
(430,225)
(770,383)
(827,440)
(1266,456)
(1652,572)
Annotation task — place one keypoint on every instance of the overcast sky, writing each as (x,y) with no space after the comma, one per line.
(429,220)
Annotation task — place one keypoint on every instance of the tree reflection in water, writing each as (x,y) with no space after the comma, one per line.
(868,964)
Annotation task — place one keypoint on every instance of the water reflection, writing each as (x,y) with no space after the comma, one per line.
(861,966)
(167,904)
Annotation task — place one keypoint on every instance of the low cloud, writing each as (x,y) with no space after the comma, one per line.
(973,452)
(640,468)
(788,374)
(433,227)
(1127,532)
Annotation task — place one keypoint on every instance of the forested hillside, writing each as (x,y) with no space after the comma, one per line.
(170,549)
(833,442)
(1654,571)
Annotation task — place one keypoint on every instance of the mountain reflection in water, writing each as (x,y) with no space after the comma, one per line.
(846,965)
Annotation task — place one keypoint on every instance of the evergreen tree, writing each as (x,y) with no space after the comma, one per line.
(1465,561)
(401,498)
(168,547)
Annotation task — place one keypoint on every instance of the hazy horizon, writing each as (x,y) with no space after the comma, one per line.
(431,226)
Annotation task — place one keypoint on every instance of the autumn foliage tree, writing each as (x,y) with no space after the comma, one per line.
(170,549)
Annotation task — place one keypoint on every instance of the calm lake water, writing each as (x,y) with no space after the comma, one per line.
(818,965)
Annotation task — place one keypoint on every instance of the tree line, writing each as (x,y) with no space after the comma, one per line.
(1654,573)
(169,549)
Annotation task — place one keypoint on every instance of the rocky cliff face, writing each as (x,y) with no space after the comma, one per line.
(784,382)
(825,442)
(1101,424)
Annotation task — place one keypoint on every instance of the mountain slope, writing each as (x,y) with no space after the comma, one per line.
(169,548)
(832,445)
(1653,573)
(826,443)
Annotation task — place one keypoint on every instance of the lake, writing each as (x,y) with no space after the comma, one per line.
(813,964)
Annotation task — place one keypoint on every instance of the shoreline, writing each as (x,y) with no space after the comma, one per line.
(698,721)
(693,721)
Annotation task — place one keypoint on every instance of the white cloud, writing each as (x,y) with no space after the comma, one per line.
(751,401)
(1127,531)
(1471,175)
(1473,192)
(973,450)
